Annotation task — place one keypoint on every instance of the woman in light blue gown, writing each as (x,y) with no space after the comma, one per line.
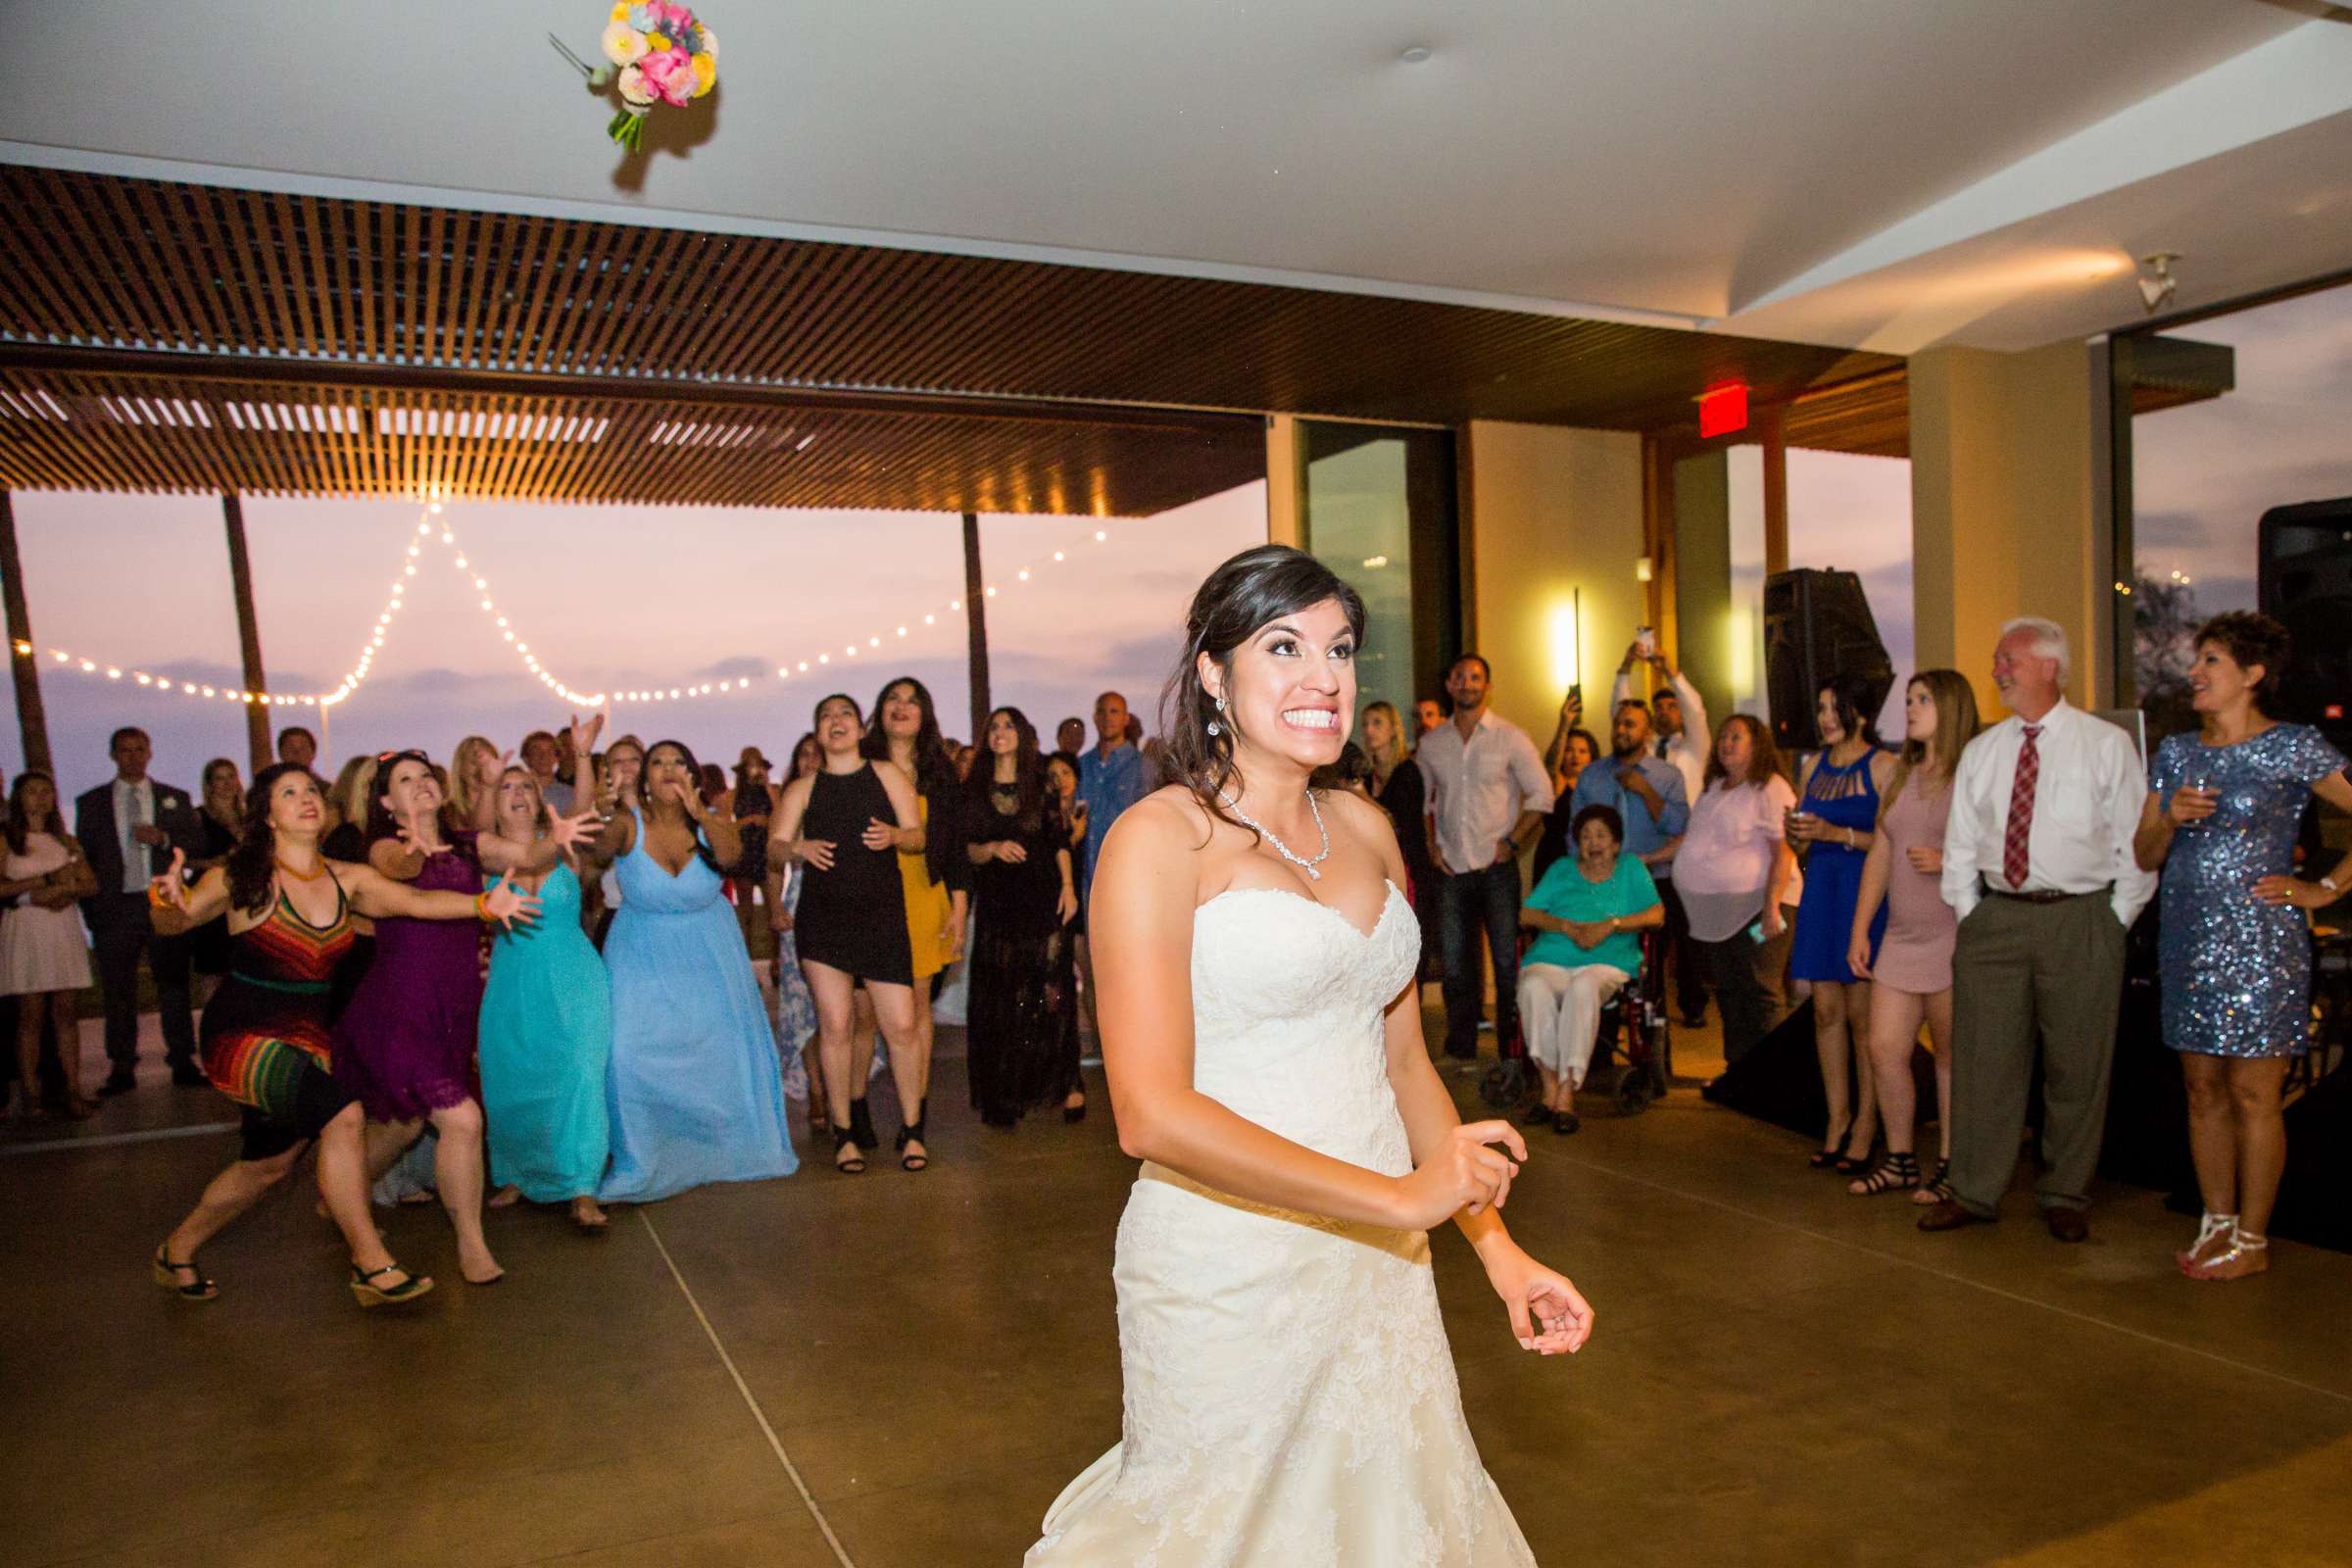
(546,1034)
(693,1093)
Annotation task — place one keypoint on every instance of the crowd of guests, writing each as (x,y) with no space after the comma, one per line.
(527,975)
(534,978)
(1973,881)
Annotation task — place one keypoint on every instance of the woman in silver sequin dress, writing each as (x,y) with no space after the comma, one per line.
(2220,818)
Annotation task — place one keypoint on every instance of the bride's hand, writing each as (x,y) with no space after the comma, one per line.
(1463,1174)
(1547,1314)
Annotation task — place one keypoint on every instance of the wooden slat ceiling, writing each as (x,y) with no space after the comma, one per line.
(99,262)
(305,437)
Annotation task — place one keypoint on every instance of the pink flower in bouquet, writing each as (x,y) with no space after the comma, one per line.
(678,18)
(671,75)
(633,90)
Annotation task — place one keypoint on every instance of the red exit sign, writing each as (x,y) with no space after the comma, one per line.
(1723,409)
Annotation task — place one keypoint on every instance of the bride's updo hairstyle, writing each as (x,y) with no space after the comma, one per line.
(1249,592)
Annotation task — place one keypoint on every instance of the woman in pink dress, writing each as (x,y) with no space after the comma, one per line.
(1912,978)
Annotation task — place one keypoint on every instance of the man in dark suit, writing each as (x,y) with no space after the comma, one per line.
(128,827)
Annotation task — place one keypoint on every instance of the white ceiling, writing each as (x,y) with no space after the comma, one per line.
(1891,173)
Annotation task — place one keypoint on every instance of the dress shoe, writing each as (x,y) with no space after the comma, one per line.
(187,1075)
(122,1081)
(1949,1215)
(2065,1224)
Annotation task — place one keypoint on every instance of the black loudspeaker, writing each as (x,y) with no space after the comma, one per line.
(1817,624)
(2305,582)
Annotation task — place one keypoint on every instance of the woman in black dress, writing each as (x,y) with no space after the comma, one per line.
(221,816)
(752,805)
(1021,1025)
(1400,791)
(845,823)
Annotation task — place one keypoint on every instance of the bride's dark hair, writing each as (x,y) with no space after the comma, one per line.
(1246,593)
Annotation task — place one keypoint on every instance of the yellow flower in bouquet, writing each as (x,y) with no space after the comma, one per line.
(705,74)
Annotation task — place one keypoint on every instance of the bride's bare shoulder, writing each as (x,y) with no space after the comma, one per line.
(1167,821)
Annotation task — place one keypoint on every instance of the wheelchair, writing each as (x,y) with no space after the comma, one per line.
(1633,1027)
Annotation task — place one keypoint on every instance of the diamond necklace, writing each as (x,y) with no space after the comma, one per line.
(1280,847)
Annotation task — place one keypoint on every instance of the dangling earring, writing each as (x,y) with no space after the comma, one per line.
(1215,728)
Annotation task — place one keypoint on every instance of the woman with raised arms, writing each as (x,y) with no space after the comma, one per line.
(265,1043)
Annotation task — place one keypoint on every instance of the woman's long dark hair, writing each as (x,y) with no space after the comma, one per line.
(1849,699)
(252,866)
(935,779)
(1256,587)
(694,772)
(382,824)
(1028,775)
(19,824)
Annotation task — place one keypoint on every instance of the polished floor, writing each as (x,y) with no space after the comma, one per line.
(897,1371)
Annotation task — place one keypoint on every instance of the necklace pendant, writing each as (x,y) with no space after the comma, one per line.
(1313,875)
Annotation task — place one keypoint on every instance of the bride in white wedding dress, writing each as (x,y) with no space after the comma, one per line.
(1290,1395)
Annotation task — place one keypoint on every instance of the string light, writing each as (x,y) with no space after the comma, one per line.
(372,643)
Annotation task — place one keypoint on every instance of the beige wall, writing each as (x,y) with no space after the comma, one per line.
(1553,511)
(2003,518)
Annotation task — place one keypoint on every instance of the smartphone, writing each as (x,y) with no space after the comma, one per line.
(1755,933)
(1576,692)
(1645,641)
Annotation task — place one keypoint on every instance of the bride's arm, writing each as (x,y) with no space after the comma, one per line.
(1548,1315)
(1141,931)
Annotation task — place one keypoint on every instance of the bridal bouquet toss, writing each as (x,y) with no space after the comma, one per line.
(659,54)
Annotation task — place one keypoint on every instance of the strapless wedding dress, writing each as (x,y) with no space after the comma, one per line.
(1289,1396)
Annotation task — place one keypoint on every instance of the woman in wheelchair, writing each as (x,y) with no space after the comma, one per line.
(1583,911)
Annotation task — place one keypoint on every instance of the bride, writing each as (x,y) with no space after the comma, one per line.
(1290,1395)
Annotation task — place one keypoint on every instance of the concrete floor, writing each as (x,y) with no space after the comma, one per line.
(892,1370)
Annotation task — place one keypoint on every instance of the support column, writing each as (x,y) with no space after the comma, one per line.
(1286,483)
(975,621)
(1772,424)
(32,720)
(2004,513)
(249,632)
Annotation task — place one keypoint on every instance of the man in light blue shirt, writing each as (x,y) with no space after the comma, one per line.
(1110,778)
(1643,788)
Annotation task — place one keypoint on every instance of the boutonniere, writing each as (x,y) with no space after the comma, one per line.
(172,803)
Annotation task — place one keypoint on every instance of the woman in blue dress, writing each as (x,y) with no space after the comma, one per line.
(693,1094)
(2223,809)
(1835,818)
(545,1034)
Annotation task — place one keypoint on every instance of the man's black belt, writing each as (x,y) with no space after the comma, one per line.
(2045,895)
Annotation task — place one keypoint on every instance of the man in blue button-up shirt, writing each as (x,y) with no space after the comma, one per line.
(1644,788)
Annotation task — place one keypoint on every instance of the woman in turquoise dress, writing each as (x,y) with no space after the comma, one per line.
(546,1034)
(693,1093)
(2233,941)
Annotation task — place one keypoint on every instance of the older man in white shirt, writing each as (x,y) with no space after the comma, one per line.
(1487,793)
(2037,863)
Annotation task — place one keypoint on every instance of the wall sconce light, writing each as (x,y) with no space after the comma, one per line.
(2155,290)
(1642,570)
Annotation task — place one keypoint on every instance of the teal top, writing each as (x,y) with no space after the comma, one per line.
(1564,892)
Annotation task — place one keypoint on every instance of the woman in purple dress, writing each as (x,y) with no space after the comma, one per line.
(405,1047)
(1911,976)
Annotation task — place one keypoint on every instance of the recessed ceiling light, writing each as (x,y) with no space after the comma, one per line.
(1414,54)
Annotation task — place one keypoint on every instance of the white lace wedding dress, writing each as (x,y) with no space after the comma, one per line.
(1289,1396)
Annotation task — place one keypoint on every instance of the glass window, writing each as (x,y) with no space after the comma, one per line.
(2204,473)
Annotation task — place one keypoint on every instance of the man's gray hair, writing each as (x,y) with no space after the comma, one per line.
(2049,640)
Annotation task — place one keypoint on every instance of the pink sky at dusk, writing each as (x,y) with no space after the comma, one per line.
(608,597)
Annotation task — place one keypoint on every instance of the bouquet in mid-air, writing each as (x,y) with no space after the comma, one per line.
(659,54)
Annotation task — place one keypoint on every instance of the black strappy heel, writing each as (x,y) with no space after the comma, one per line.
(167,1274)
(1895,1172)
(368,1293)
(846,1138)
(912,1133)
(861,1125)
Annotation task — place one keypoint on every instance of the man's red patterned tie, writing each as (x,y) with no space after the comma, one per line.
(2021,810)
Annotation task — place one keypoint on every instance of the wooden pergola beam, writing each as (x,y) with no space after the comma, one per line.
(33,719)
